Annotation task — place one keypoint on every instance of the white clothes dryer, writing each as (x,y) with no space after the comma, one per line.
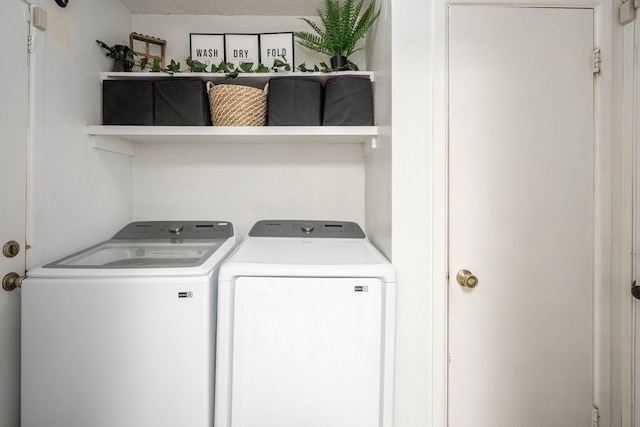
(306,329)
(123,333)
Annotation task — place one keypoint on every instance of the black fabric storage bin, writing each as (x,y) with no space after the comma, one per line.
(294,101)
(348,101)
(181,102)
(127,102)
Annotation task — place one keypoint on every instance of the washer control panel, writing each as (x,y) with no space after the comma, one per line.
(185,230)
(306,228)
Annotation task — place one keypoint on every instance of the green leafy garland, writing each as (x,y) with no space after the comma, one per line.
(230,70)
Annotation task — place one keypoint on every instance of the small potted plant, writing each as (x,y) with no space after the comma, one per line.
(122,56)
(342,26)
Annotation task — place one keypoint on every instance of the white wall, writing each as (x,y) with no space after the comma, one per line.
(413,209)
(78,195)
(245,183)
(378,164)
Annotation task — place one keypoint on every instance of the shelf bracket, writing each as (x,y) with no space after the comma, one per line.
(369,145)
(113,145)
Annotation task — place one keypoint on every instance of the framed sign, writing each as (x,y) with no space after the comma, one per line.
(207,48)
(241,48)
(276,46)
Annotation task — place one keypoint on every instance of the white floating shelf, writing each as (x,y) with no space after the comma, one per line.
(365,135)
(122,139)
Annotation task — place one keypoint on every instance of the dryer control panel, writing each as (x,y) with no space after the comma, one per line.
(307,228)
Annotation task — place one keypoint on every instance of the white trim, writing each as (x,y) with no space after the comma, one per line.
(591,4)
(605,139)
(623,128)
(603,256)
(35,160)
(634,109)
(625,360)
(439,166)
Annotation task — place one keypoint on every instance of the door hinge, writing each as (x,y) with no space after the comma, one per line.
(30,43)
(596,61)
(595,416)
(627,11)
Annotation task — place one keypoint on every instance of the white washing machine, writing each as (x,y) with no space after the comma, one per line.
(306,329)
(122,334)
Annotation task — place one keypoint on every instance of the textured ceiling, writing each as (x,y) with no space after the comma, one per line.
(224,7)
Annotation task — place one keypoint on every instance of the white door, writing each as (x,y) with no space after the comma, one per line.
(14,31)
(521,216)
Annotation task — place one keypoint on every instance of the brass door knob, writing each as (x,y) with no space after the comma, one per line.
(12,281)
(467,279)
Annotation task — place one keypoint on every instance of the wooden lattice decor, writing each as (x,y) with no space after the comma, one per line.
(144,46)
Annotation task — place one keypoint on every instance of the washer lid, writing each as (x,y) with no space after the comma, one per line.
(140,254)
(184,248)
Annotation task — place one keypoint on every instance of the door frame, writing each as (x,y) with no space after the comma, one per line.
(612,245)
(18,220)
(631,137)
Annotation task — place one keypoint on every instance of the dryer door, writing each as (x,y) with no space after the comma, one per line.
(307,352)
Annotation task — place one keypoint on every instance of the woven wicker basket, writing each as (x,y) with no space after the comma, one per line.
(237,105)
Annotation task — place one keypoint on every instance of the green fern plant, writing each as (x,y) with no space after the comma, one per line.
(343,26)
